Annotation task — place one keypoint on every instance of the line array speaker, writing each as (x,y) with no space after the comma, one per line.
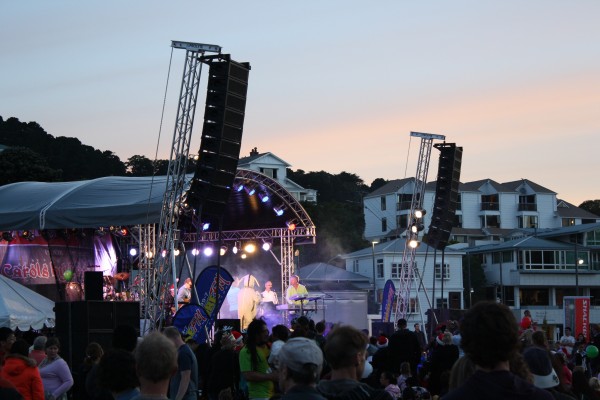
(221,134)
(93,282)
(446,195)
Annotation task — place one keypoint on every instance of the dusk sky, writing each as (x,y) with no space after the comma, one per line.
(335,85)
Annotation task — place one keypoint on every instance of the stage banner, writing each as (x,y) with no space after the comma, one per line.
(28,261)
(191,320)
(577,315)
(387,302)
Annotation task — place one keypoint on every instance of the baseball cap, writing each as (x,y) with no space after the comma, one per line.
(540,366)
(298,351)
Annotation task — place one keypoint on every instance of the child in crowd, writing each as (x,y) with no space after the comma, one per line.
(404,375)
(388,382)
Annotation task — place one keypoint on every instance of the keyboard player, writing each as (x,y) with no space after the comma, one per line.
(296,289)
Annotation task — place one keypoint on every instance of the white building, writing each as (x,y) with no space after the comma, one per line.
(274,167)
(382,261)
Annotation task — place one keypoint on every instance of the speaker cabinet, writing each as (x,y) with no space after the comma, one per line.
(79,323)
(93,282)
(221,135)
(446,195)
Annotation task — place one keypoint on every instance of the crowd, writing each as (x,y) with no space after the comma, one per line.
(488,355)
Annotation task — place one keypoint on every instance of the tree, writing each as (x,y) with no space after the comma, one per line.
(473,278)
(377,183)
(592,206)
(139,166)
(20,164)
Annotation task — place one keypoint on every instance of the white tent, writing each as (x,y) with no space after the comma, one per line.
(23,308)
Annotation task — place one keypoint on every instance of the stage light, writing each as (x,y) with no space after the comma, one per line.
(235,248)
(238,187)
(223,250)
(420,213)
(416,227)
(28,235)
(250,247)
(8,236)
(413,243)
(291,225)
(244,256)
(205,226)
(266,246)
(133,252)
(195,252)
(176,252)
(163,253)
(250,189)
(208,251)
(263,196)
(149,255)
(279,210)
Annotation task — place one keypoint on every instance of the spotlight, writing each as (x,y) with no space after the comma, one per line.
(420,213)
(416,227)
(149,255)
(279,210)
(163,253)
(291,225)
(8,236)
(413,243)
(250,247)
(205,226)
(195,252)
(238,187)
(266,246)
(223,250)
(250,189)
(244,256)
(208,251)
(263,196)
(235,248)
(176,252)
(133,252)
(28,235)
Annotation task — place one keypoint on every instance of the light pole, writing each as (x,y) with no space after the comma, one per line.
(373,243)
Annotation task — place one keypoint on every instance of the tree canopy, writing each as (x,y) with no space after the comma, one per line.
(592,206)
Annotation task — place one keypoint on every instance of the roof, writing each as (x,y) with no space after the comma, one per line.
(393,246)
(534,186)
(529,242)
(252,158)
(565,209)
(391,187)
(23,308)
(475,186)
(568,230)
(322,276)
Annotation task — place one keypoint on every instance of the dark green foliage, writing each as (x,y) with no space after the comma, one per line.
(592,206)
(477,279)
(19,164)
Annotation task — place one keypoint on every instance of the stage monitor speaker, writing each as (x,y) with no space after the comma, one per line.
(221,135)
(446,195)
(93,282)
(233,323)
(382,328)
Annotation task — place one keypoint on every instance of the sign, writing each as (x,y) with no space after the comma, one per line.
(577,315)
(389,291)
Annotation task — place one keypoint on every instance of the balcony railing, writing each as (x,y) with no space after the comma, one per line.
(494,206)
(527,207)
(403,205)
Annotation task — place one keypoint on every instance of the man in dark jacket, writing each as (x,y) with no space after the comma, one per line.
(404,346)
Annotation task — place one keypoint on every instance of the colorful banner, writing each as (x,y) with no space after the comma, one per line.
(193,320)
(389,291)
(577,315)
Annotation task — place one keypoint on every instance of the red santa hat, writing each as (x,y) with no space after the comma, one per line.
(382,342)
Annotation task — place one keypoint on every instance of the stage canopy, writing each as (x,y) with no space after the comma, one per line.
(23,308)
(104,201)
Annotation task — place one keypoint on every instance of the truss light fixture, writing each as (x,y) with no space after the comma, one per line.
(238,187)
(176,252)
(416,227)
(28,235)
(243,256)
(263,196)
(291,224)
(149,255)
(235,248)
(413,243)
(205,226)
(250,247)
(420,213)
(279,210)
(133,252)
(208,251)
(223,250)
(250,189)
(195,252)
(266,246)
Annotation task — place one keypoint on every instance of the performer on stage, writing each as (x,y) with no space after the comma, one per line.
(268,295)
(184,294)
(294,289)
(248,300)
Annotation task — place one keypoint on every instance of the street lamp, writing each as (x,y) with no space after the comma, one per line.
(578,262)
(373,243)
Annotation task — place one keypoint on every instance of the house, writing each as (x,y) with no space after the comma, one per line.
(382,261)
(274,167)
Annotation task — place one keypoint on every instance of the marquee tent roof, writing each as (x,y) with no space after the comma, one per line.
(104,201)
(23,308)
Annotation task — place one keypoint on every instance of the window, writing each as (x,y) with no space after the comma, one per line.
(457,220)
(384,224)
(490,221)
(270,172)
(355,266)
(438,271)
(568,222)
(413,306)
(527,203)
(507,257)
(527,221)
(439,303)
(403,201)
(402,221)
(383,203)
(490,202)
(459,202)
(534,297)
(593,238)
(395,270)
(380,268)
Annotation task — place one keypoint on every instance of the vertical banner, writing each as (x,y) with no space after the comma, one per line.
(389,291)
(577,315)
(193,320)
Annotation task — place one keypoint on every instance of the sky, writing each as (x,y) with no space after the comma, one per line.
(335,85)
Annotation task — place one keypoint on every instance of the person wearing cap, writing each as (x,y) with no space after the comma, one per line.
(300,364)
(544,377)
(490,338)
(346,352)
